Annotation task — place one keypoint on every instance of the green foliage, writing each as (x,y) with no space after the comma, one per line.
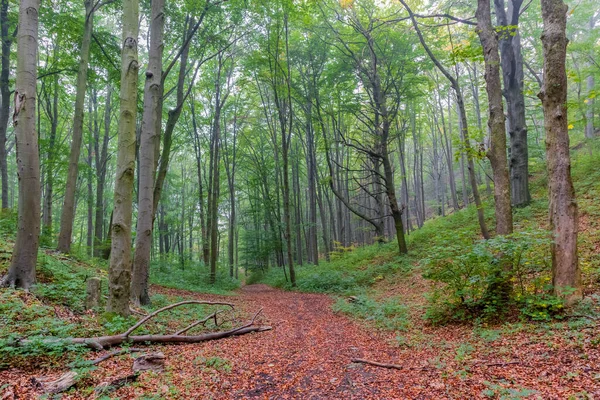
(347,274)
(63,283)
(389,314)
(216,363)
(193,276)
(22,316)
(498,391)
(486,278)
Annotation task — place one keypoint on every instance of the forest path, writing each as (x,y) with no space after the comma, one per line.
(305,356)
(308,353)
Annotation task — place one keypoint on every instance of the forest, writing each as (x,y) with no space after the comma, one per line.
(299,199)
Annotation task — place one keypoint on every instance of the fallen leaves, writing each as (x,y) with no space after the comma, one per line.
(308,355)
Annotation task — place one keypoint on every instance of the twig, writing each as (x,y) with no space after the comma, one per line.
(115,353)
(389,366)
(200,321)
(500,364)
(143,320)
(134,311)
(582,316)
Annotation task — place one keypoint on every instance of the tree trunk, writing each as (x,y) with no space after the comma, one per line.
(590,84)
(119,275)
(21,272)
(101,160)
(497,151)
(149,141)
(512,73)
(52,112)
(5,98)
(566,276)
(464,125)
(93,127)
(69,204)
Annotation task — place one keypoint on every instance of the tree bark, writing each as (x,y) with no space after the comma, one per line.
(149,141)
(21,272)
(69,204)
(512,74)
(590,84)
(497,150)
(52,112)
(101,154)
(566,276)
(119,275)
(5,97)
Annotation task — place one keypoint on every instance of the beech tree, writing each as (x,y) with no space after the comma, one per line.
(497,151)
(563,216)
(21,272)
(68,210)
(119,275)
(149,141)
(509,38)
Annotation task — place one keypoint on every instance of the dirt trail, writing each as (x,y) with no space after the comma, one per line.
(307,356)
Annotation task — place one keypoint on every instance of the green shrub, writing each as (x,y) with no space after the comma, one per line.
(488,277)
(390,314)
(194,276)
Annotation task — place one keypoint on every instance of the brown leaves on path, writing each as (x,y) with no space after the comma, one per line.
(308,355)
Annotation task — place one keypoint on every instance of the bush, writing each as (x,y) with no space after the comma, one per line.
(193,276)
(487,278)
(390,314)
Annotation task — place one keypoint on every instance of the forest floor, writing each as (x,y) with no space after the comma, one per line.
(308,353)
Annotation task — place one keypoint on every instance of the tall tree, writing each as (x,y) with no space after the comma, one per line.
(149,141)
(21,272)
(497,150)
(566,276)
(512,74)
(101,161)
(463,122)
(68,209)
(5,92)
(119,275)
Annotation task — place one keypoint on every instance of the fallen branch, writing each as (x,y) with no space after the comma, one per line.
(107,387)
(200,321)
(499,364)
(102,342)
(155,313)
(115,353)
(69,378)
(389,366)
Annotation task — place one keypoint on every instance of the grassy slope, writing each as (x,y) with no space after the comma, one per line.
(377,272)
(55,305)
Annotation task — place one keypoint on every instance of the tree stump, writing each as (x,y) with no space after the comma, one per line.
(52,386)
(93,291)
(149,362)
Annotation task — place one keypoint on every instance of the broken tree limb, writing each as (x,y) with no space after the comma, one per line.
(107,387)
(389,366)
(155,313)
(53,386)
(69,378)
(102,342)
(200,321)
(115,353)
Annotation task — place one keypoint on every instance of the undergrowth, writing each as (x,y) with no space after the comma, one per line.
(390,314)
(448,250)
(191,275)
(348,274)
